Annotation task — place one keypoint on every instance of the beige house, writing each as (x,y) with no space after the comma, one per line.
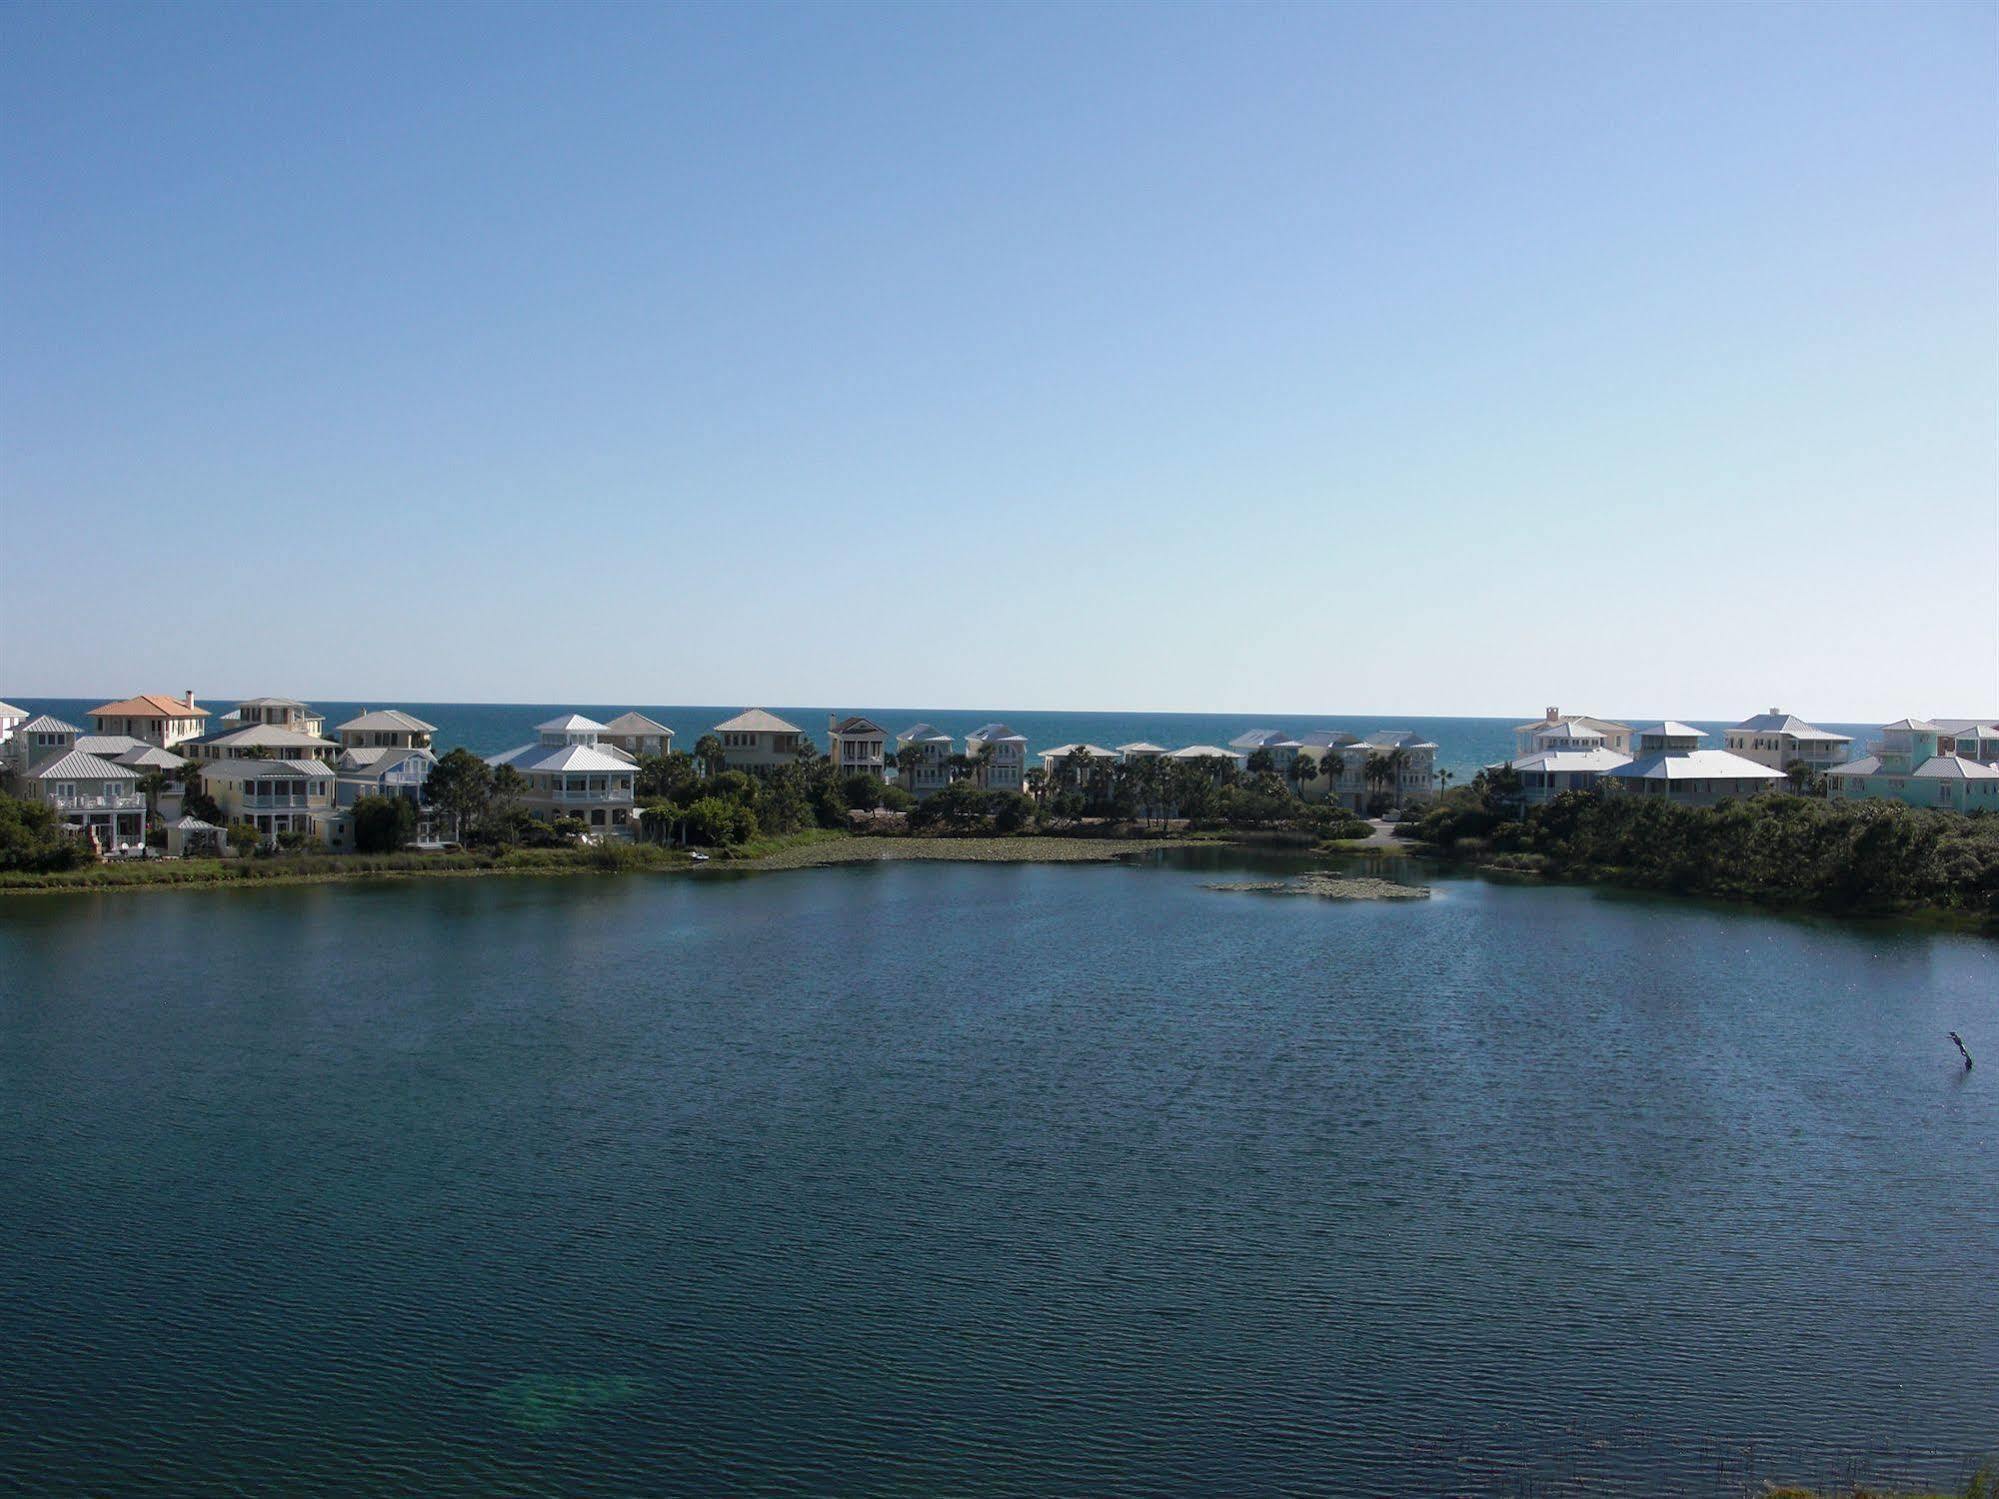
(1005,769)
(1567,756)
(857,746)
(277,713)
(638,736)
(756,740)
(1779,740)
(1532,738)
(273,741)
(152,717)
(932,770)
(570,774)
(385,728)
(273,796)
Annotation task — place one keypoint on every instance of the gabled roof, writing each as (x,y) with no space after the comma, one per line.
(264,770)
(756,721)
(923,733)
(1694,765)
(857,727)
(1327,739)
(1777,722)
(1911,726)
(1204,752)
(151,757)
(1264,739)
(1090,751)
(372,764)
(570,723)
(636,722)
(383,720)
(548,757)
(1399,739)
(110,746)
(150,705)
(1672,728)
(80,765)
(994,733)
(1955,768)
(47,723)
(8,710)
(1141,747)
(193,824)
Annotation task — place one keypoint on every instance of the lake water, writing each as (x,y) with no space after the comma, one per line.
(1463,744)
(985,1180)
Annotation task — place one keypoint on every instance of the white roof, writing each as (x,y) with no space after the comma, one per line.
(1694,765)
(1778,722)
(1975,731)
(270,702)
(264,770)
(151,756)
(81,765)
(1866,765)
(1141,747)
(1327,739)
(570,723)
(546,757)
(1598,760)
(267,736)
(388,718)
(8,710)
(1956,768)
(371,764)
(1912,725)
(1204,752)
(1257,739)
(110,746)
(1672,728)
(854,726)
(756,721)
(1580,732)
(636,722)
(1092,750)
(193,824)
(48,723)
(1607,725)
(1400,739)
(923,733)
(994,733)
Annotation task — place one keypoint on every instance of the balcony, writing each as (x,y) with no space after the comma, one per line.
(106,801)
(598,797)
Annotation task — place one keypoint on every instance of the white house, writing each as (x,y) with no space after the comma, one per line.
(638,736)
(1565,755)
(1780,740)
(1140,749)
(1527,736)
(153,717)
(278,713)
(857,746)
(931,771)
(569,775)
(1214,756)
(275,741)
(1061,765)
(1006,768)
(11,718)
(756,740)
(1670,763)
(1282,746)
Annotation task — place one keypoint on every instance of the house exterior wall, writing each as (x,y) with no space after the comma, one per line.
(758,749)
(1780,751)
(114,807)
(858,754)
(602,799)
(1007,771)
(163,732)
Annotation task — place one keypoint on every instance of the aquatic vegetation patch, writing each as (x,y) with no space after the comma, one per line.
(548,1402)
(1330,887)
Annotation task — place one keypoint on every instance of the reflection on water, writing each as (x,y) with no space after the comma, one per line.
(986,1179)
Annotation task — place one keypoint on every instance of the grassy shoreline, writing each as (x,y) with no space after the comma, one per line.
(814,848)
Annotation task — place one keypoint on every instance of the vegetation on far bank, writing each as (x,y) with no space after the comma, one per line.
(1866,857)
(1982,1484)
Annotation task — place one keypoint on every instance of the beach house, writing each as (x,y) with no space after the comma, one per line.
(756,740)
(1071,766)
(1917,761)
(11,719)
(276,741)
(1780,740)
(385,728)
(273,796)
(929,769)
(154,717)
(857,746)
(569,774)
(1005,769)
(1565,755)
(638,736)
(36,739)
(1527,738)
(1670,763)
(90,795)
(278,713)
(1282,747)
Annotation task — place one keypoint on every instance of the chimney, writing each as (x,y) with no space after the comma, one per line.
(1554,715)
(1776,712)
(190,697)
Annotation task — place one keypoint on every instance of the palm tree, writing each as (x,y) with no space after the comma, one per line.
(1301,769)
(907,760)
(960,766)
(1037,785)
(1379,771)
(709,755)
(982,763)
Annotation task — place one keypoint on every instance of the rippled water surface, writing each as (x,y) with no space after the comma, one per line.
(983,1180)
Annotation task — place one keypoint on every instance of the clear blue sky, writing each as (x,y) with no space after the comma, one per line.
(1341,359)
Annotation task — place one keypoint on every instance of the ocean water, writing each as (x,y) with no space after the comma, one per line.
(985,1180)
(1464,744)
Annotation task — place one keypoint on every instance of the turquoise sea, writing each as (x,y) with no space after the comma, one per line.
(1464,744)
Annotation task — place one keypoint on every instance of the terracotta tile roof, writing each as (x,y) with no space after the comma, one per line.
(151,705)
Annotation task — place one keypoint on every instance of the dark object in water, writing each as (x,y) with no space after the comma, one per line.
(1960,1046)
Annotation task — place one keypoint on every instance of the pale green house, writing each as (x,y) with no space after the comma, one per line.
(1917,762)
